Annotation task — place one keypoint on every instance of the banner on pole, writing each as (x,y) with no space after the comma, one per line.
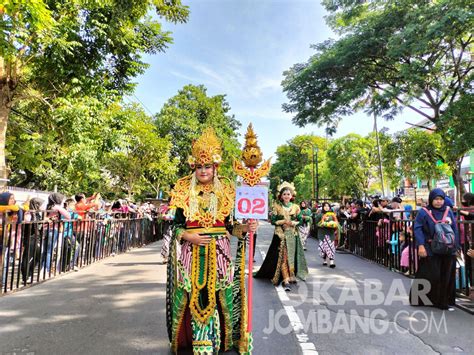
(251,202)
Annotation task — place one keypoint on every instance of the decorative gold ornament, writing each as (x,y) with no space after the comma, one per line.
(251,177)
(251,157)
(291,186)
(201,211)
(251,154)
(206,149)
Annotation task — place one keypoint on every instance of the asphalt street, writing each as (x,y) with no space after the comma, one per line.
(117,306)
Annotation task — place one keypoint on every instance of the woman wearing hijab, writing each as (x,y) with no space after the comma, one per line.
(437,271)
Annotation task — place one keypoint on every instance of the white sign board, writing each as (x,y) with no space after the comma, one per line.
(251,202)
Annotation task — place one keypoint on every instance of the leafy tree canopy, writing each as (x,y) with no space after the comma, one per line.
(403,53)
(185,115)
(392,54)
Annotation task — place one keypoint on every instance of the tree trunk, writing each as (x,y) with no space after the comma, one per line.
(458,181)
(4,112)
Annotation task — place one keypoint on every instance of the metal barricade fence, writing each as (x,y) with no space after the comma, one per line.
(41,248)
(391,242)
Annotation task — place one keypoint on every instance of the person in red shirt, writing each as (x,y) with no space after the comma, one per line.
(84,204)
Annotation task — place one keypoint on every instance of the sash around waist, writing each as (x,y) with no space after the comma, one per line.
(213,231)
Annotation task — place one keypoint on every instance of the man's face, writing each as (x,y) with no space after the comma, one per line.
(384,203)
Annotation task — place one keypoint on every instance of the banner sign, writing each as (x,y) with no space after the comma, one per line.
(251,202)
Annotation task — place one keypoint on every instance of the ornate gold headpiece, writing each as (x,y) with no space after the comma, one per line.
(284,184)
(206,149)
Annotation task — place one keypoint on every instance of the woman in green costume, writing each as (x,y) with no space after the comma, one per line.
(285,260)
(206,300)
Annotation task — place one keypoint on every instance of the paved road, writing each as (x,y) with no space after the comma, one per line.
(117,306)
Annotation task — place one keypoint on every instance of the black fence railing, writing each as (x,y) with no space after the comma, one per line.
(390,242)
(43,247)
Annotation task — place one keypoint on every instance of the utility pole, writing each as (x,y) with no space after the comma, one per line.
(378,152)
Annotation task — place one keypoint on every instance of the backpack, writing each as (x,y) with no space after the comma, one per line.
(443,242)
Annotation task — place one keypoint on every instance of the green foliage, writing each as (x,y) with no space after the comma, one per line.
(401,53)
(294,164)
(391,55)
(140,161)
(185,116)
(351,165)
(64,66)
(80,145)
(417,154)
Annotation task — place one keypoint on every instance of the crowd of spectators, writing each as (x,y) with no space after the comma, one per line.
(61,232)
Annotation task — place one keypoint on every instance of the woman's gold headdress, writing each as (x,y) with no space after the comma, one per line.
(206,149)
(291,186)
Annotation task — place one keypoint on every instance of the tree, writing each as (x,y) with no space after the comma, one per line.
(52,49)
(403,53)
(141,161)
(63,144)
(416,154)
(294,164)
(184,117)
(352,165)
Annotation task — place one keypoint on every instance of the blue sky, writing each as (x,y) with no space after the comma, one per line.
(240,48)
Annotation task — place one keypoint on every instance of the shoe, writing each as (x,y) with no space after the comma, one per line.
(76,268)
(451,309)
(332,265)
(286,286)
(304,248)
(325,262)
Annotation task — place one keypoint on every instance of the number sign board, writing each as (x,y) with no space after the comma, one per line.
(251,202)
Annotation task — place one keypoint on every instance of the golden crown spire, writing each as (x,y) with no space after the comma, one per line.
(251,154)
(251,157)
(206,149)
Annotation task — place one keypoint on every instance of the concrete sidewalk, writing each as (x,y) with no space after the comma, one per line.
(113,306)
(362,308)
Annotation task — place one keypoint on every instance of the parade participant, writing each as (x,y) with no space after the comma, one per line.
(167,220)
(436,266)
(285,258)
(304,227)
(206,300)
(328,228)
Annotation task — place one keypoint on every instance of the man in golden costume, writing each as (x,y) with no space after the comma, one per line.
(206,300)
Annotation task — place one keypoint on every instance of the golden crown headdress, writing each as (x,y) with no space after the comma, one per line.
(206,149)
(284,184)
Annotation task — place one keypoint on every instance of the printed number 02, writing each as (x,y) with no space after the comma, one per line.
(256,205)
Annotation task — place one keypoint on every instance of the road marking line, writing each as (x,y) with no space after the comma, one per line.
(307,348)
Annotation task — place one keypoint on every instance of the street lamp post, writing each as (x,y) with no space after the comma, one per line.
(317,173)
